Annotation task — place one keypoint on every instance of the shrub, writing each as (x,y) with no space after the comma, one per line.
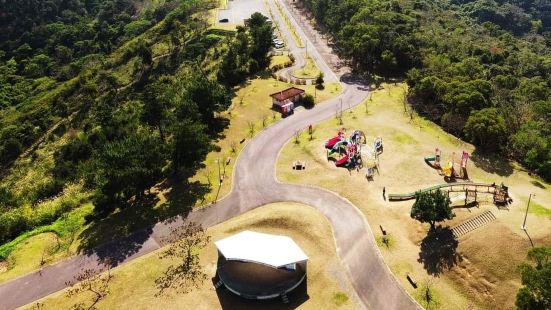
(486,128)
(308,101)
(19,220)
(545,170)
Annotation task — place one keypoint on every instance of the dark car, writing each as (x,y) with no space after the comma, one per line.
(223,20)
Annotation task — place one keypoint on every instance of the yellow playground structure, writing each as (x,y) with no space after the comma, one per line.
(451,170)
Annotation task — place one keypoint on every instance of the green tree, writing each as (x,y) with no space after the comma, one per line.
(308,101)
(209,96)
(486,128)
(431,207)
(190,145)
(536,281)
(126,168)
(157,99)
(261,40)
(319,81)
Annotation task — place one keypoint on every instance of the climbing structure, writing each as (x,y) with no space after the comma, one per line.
(500,193)
(451,170)
(354,151)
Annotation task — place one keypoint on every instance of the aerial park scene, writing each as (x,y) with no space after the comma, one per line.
(277,154)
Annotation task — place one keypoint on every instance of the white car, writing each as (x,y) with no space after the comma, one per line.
(279,45)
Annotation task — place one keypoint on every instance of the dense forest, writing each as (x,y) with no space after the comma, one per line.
(102,99)
(481,69)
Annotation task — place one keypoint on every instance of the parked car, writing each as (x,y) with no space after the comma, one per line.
(223,20)
(279,45)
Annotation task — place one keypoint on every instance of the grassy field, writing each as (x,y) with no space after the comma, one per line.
(279,60)
(133,284)
(483,263)
(310,70)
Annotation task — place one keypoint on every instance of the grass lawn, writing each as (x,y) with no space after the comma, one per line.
(310,70)
(483,265)
(43,245)
(328,287)
(279,60)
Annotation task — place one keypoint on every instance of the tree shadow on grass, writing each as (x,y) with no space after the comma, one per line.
(216,130)
(438,251)
(124,232)
(492,163)
(538,184)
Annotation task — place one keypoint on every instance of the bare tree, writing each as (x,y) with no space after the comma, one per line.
(264,121)
(182,277)
(250,125)
(90,281)
(405,101)
(207,175)
(431,303)
(311,131)
(338,116)
(298,133)
(38,306)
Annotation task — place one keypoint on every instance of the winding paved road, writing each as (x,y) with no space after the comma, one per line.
(254,185)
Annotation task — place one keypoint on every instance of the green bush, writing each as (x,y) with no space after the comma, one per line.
(308,101)
(545,170)
(24,218)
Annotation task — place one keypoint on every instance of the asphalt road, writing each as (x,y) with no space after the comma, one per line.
(254,185)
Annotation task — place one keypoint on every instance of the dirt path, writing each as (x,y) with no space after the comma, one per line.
(254,185)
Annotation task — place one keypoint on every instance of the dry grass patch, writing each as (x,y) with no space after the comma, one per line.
(132,286)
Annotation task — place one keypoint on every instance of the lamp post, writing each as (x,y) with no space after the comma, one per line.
(523,227)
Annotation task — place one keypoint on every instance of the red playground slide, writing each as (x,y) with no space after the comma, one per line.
(331,142)
(342,161)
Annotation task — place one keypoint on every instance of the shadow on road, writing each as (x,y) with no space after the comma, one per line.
(438,251)
(122,234)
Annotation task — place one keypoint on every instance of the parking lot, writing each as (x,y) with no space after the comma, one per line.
(239,10)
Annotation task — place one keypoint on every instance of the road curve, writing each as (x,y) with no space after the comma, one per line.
(254,185)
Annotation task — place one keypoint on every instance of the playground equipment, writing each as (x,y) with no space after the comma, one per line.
(435,159)
(378,145)
(500,193)
(354,150)
(451,170)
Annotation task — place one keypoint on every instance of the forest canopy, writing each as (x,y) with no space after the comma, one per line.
(106,98)
(481,69)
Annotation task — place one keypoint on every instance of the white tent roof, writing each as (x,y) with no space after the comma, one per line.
(272,250)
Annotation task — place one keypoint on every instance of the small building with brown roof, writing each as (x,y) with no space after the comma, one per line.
(285,100)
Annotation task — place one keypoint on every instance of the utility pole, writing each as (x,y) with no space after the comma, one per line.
(523,227)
